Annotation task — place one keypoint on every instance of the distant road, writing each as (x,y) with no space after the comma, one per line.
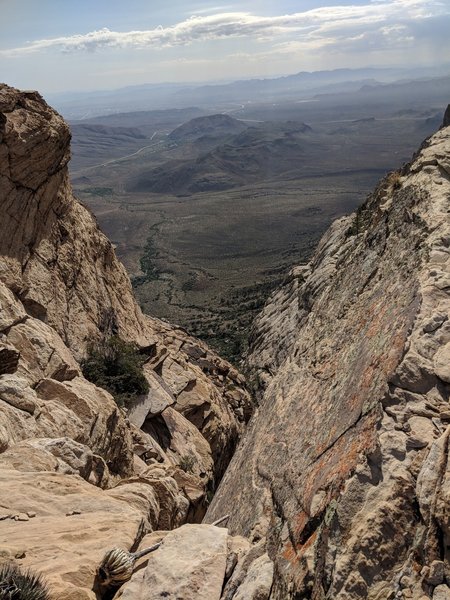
(116,160)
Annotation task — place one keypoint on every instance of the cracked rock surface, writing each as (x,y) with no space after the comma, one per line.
(344,470)
(90,476)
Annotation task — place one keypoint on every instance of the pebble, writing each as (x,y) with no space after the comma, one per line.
(31,513)
(22,517)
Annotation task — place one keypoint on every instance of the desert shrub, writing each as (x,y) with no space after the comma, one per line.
(116,366)
(18,584)
(147,261)
(394,180)
(187,462)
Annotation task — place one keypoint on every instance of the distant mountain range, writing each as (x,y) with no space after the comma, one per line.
(83,105)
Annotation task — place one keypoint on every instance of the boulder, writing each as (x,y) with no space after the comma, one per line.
(190,564)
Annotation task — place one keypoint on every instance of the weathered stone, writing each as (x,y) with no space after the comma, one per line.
(98,522)
(436,573)
(158,399)
(352,355)
(237,548)
(9,359)
(442,363)
(441,592)
(190,564)
(246,556)
(11,311)
(61,289)
(258,580)
(435,322)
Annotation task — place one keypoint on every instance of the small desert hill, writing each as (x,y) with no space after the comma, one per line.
(146,120)
(211,126)
(253,155)
(104,142)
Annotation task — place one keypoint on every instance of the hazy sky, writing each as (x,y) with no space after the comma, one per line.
(58,45)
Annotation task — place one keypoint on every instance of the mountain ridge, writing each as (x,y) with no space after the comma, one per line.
(342,471)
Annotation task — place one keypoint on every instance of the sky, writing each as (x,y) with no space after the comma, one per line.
(65,45)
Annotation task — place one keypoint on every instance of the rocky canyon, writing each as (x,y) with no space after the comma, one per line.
(336,478)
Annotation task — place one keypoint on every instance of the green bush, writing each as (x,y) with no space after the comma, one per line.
(19,584)
(116,366)
(187,462)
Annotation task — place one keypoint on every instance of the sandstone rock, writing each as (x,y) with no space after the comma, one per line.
(11,311)
(61,289)
(442,363)
(435,322)
(42,352)
(9,359)
(158,398)
(190,564)
(27,458)
(258,580)
(14,390)
(246,556)
(65,549)
(238,547)
(183,442)
(441,592)
(348,418)
(436,573)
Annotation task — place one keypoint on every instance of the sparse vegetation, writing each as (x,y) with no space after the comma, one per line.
(147,262)
(116,366)
(187,462)
(201,251)
(99,191)
(394,180)
(19,584)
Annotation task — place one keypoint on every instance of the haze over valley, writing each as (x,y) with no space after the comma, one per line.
(210,203)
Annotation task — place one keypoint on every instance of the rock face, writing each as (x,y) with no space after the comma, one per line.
(68,456)
(344,471)
(190,564)
(200,562)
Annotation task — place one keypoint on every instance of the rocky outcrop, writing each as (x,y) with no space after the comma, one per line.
(343,473)
(78,474)
(200,562)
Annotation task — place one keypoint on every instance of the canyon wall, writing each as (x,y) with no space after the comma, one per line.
(340,487)
(343,474)
(78,476)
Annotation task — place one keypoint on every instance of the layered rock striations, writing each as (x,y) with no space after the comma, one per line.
(343,474)
(78,476)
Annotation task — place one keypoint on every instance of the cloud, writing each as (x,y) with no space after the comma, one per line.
(382,20)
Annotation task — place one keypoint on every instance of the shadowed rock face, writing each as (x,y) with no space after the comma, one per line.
(77,476)
(446,121)
(353,354)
